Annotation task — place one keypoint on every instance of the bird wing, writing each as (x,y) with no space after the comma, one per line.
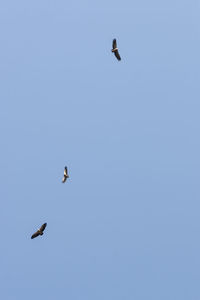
(42,228)
(117,55)
(114,44)
(64,179)
(35,234)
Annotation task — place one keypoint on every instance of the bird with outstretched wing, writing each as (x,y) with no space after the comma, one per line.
(66,175)
(39,231)
(115,49)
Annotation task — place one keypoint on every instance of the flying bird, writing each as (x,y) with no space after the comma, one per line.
(39,231)
(115,49)
(65,175)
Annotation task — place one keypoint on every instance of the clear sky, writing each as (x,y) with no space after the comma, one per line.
(127,223)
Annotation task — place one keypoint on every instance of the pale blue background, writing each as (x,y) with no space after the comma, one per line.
(127,223)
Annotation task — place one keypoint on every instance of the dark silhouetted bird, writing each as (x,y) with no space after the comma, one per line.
(115,49)
(39,231)
(65,175)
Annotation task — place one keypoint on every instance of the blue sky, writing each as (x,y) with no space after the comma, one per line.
(126,224)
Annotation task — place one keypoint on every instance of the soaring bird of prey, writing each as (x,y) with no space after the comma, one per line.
(65,175)
(115,49)
(39,231)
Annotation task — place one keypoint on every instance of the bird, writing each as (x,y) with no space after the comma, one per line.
(39,231)
(65,175)
(115,49)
